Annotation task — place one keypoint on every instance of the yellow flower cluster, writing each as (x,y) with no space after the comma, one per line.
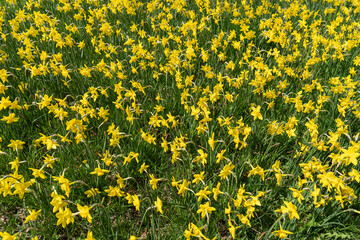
(178,107)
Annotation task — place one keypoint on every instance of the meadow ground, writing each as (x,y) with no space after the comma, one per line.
(174,119)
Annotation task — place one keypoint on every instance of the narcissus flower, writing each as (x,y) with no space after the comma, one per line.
(33,215)
(205,209)
(158,204)
(255,112)
(281,233)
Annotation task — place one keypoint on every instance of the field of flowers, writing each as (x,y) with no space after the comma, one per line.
(175,119)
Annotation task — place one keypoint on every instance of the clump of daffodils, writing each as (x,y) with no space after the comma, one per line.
(234,115)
